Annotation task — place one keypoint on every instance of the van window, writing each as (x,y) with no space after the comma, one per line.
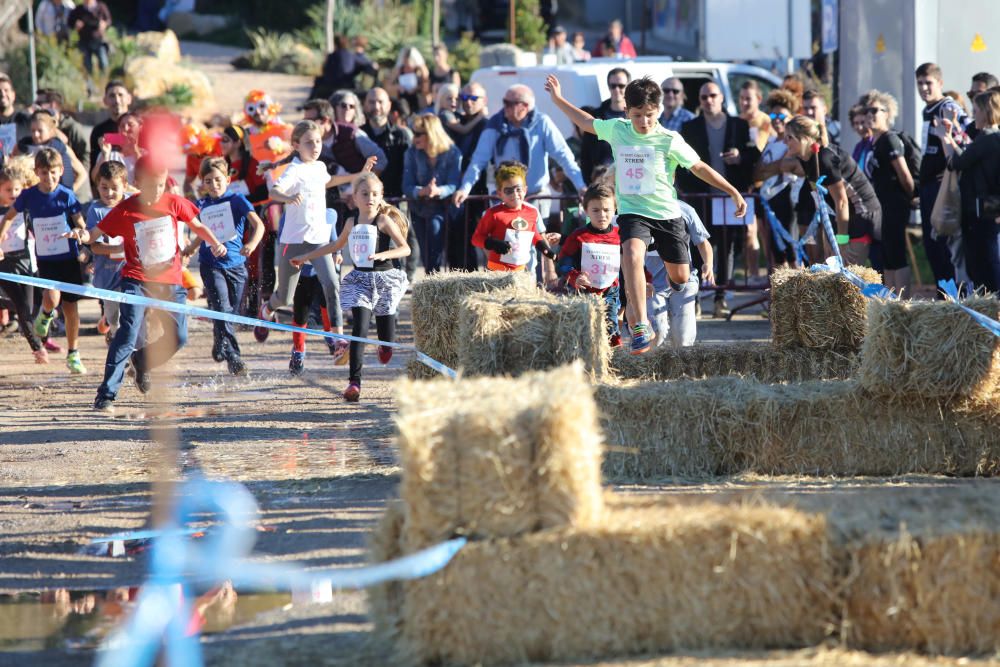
(693,81)
(737,79)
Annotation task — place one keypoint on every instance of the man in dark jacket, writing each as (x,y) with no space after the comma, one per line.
(593,151)
(723,141)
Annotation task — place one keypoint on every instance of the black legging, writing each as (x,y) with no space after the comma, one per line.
(384,324)
(22,297)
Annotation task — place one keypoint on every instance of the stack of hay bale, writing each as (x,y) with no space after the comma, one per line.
(925,402)
(818,323)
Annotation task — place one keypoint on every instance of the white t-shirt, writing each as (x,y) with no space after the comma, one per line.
(305,222)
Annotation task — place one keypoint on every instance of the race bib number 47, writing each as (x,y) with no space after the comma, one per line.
(49,239)
(636,170)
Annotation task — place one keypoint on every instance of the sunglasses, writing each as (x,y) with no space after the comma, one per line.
(972,93)
(874,110)
(469,98)
(620,86)
(709,96)
(778,116)
(672,91)
(513,190)
(345,105)
(512,103)
(419,134)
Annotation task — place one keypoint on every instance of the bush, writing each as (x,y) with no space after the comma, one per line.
(530,26)
(178,96)
(60,66)
(465,55)
(387,30)
(278,52)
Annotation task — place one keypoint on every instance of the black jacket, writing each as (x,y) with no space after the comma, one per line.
(979,166)
(393,141)
(737,136)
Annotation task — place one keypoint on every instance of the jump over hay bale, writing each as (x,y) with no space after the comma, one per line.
(437,299)
(818,310)
(931,349)
(701,428)
(759,361)
(648,578)
(498,457)
(506,333)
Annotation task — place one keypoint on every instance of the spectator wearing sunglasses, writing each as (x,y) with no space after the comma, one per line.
(347,108)
(859,121)
(674,114)
(981,82)
(471,123)
(779,189)
(593,151)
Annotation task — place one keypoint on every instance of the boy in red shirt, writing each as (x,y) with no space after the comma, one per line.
(509,230)
(148,224)
(590,257)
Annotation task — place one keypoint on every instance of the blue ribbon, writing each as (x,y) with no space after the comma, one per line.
(821,217)
(163,611)
(870,290)
(950,290)
(782,238)
(194,311)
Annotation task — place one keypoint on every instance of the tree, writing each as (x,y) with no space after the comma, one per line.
(530,34)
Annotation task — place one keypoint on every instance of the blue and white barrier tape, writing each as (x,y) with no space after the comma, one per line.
(950,290)
(194,311)
(870,290)
(163,612)
(821,217)
(782,237)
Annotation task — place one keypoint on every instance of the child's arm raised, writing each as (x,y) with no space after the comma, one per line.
(577,116)
(331,247)
(703,171)
(344,179)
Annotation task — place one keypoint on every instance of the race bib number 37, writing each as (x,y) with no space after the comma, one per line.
(636,170)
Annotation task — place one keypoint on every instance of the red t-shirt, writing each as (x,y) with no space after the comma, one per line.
(150,236)
(496,223)
(572,248)
(252,183)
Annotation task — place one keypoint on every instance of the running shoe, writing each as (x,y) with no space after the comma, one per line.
(41,356)
(297,364)
(265,313)
(218,351)
(331,343)
(352,393)
(616,340)
(104,405)
(51,346)
(342,354)
(236,366)
(141,378)
(108,337)
(42,323)
(384,354)
(642,338)
(102,325)
(74,364)
(721,310)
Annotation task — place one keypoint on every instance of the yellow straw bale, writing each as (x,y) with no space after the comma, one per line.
(648,578)
(498,457)
(931,349)
(385,544)
(759,361)
(506,333)
(818,310)
(437,299)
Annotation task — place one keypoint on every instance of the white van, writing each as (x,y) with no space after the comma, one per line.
(586,84)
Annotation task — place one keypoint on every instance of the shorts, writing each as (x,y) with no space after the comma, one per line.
(65,271)
(378,291)
(673,244)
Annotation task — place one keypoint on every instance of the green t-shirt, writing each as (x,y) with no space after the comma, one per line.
(644,167)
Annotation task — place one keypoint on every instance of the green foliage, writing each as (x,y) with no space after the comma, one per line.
(59,67)
(530,25)
(387,30)
(465,55)
(177,96)
(278,52)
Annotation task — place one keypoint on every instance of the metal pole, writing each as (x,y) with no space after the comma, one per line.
(435,21)
(31,53)
(513,22)
(645,26)
(791,61)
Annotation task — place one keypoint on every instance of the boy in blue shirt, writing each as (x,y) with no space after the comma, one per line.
(52,211)
(109,252)
(225,278)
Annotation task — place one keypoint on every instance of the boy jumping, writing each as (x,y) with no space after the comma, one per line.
(646,156)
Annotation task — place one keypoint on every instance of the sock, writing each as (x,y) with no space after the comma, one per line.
(326,319)
(70,352)
(298,339)
(48,313)
(677,287)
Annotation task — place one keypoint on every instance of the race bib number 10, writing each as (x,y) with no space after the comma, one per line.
(635,167)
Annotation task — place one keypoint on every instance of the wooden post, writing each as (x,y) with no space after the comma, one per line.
(435,21)
(513,22)
(331,8)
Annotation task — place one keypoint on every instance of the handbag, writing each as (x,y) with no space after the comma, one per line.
(946,216)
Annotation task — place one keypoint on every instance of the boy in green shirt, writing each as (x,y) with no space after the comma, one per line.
(646,156)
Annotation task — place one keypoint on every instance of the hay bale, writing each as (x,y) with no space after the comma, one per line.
(650,578)
(437,299)
(719,426)
(818,310)
(498,457)
(931,349)
(385,601)
(418,371)
(507,333)
(759,361)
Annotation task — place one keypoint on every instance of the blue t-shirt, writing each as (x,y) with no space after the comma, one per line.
(239,208)
(107,268)
(43,212)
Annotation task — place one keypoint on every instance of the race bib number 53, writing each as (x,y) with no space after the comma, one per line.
(636,170)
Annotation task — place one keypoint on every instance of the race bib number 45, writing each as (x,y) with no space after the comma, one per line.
(362,241)
(156,241)
(636,170)
(602,263)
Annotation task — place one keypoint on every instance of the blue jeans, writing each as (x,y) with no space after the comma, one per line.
(938,254)
(430,237)
(224,290)
(91,49)
(612,303)
(130,319)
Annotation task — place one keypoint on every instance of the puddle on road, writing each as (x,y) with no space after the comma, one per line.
(79,620)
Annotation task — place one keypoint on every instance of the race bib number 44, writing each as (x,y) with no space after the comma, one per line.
(362,242)
(156,241)
(520,247)
(636,170)
(219,218)
(49,239)
(602,263)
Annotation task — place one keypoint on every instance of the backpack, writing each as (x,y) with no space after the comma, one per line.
(913,156)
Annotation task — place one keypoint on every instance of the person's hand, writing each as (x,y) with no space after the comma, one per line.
(583,280)
(185,259)
(296,199)
(370,163)
(339,259)
(431,189)
(1,255)
(707,274)
(246,250)
(75,234)
(460,197)
(376,257)
(105,147)
(219,250)
(732,156)
(552,238)
(741,205)
(298,261)
(264,167)
(650,290)
(553,87)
